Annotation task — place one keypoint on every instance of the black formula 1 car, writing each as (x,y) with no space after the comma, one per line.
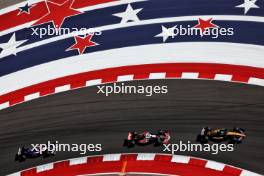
(234,136)
(145,138)
(31,152)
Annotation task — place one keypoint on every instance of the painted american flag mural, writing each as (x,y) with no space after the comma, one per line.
(52,46)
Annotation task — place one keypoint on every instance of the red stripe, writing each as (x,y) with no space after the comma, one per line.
(197,162)
(77,84)
(165,158)
(232,170)
(81,3)
(129,157)
(45,91)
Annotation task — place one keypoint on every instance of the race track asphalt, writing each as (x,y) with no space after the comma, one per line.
(6,3)
(83,116)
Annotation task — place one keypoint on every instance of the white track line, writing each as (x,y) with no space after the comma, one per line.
(76,161)
(44,167)
(180,159)
(4,105)
(62,88)
(222,77)
(256,81)
(125,78)
(93,82)
(190,75)
(157,75)
(32,96)
(111,157)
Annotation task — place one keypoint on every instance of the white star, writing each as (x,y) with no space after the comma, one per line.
(10,48)
(129,15)
(166,33)
(248,4)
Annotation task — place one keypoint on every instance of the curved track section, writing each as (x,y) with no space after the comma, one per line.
(82,116)
(139,164)
(221,72)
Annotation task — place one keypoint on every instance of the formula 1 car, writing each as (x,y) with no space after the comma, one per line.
(145,138)
(30,152)
(234,136)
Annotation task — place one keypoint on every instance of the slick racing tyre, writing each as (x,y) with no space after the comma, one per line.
(239,130)
(160,132)
(129,143)
(20,158)
(16,157)
(202,139)
(235,140)
(158,142)
(47,154)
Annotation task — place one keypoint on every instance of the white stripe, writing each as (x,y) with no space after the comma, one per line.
(215,165)
(4,105)
(202,52)
(32,96)
(256,81)
(180,159)
(44,167)
(93,82)
(125,78)
(76,161)
(146,156)
(143,22)
(190,75)
(222,77)
(62,88)
(157,75)
(112,157)
(248,173)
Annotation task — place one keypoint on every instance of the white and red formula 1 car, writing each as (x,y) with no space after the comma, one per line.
(145,138)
